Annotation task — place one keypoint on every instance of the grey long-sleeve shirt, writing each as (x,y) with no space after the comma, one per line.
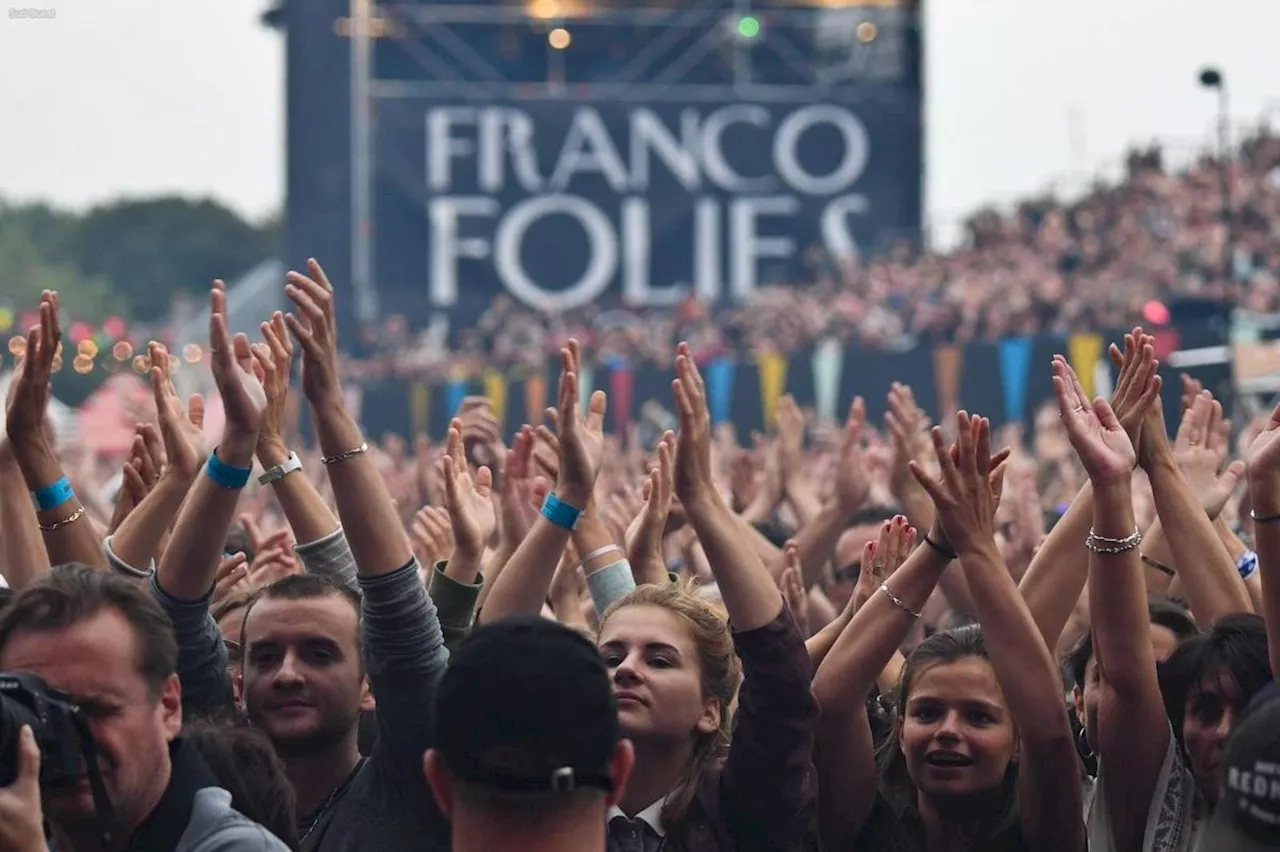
(388,805)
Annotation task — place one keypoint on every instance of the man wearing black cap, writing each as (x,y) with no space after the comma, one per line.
(527,753)
(1247,818)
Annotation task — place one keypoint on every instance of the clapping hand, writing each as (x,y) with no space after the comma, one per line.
(882,557)
(315,327)
(1137,384)
(29,397)
(1200,449)
(693,478)
(1263,456)
(277,352)
(853,486)
(793,592)
(237,374)
(1104,448)
(469,500)
(967,490)
(581,439)
(185,446)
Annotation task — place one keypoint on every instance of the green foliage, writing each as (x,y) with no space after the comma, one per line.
(129,257)
(150,249)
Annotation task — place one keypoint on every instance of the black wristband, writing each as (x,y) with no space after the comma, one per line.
(939,549)
(1266,519)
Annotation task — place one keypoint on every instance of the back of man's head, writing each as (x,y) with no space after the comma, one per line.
(74,593)
(527,736)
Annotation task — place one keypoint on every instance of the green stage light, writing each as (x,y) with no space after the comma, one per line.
(748,26)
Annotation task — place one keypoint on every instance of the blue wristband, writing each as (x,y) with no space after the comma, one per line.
(560,513)
(53,496)
(1247,564)
(225,475)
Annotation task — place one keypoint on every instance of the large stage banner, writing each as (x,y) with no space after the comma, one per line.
(562,202)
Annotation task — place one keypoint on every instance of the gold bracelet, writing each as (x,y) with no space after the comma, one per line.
(328,460)
(1159,566)
(897,601)
(57,525)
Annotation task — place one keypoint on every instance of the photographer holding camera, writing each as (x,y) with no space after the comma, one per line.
(90,702)
(98,691)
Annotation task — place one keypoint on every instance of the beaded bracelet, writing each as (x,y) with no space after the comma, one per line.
(1102,544)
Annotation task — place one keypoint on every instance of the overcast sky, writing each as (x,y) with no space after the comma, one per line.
(130,97)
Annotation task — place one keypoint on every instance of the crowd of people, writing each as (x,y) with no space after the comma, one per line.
(1101,261)
(553,641)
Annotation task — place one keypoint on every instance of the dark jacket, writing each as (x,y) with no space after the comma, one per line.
(195,814)
(762,795)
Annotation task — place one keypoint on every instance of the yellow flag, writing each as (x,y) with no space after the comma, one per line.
(495,388)
(773,382)
(1085,351)
(420,407)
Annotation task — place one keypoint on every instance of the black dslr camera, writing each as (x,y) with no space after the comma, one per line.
(62,733)
(56,722)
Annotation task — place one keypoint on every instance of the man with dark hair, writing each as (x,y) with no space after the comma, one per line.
(1247,818)
(103,640)
(528,754)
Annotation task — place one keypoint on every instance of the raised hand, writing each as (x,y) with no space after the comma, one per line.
(29,396)
(315,326)
(517,490)
(908,427)
(480,425)
(882,557)
(1137,384)
(1200,449)
(1104,448)
(231,578)
(658,490)
(236,374)
(581,439)
(966,492)
(793,587)
(693,477)
(790,442)
(469,500)
(185,446)
(853,486)
(278,353)
(1190,390)
(1263,456)
(432,535)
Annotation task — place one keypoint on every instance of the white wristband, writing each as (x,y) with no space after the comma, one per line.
(600,551)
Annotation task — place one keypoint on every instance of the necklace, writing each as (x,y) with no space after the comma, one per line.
(333,797)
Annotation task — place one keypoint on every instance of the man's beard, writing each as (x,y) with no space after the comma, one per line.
(333,728)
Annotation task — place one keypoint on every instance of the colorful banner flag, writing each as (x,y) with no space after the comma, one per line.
(773,383)
(828,369)
(495,388)
(454,393)
(621,384)
(1015,365)
(720,376)
(1084,351)
(535,397)
(948,361)
(420,407)
(586,386)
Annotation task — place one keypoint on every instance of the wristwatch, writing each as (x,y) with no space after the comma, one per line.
(280,471)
